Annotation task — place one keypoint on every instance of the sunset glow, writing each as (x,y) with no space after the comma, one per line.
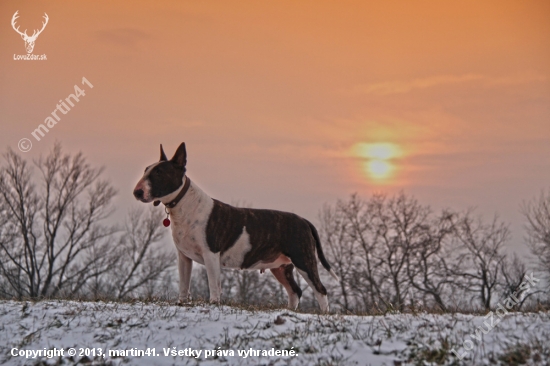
(290,105)
(379,165)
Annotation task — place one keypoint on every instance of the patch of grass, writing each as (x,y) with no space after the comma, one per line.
(516,355)
(536,351)
(423,355)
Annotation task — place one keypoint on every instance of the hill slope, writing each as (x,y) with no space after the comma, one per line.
(226,335)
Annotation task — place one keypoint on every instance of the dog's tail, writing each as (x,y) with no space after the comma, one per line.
(320,253)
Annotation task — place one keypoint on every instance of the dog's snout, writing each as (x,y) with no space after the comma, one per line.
(138,193)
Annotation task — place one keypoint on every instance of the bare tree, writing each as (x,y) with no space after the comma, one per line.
(480,256)
(387,251)
(398,224)
(513,275)
(430,263)
(341,249)
(20,206)
(143,259)
(366,282)
(409,242)
(53,240)
(56,241)
(537,213)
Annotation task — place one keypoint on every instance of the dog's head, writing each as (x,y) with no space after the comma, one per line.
(163,178)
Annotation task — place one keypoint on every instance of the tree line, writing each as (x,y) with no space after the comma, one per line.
(393,253)
(56,242)
(390,252)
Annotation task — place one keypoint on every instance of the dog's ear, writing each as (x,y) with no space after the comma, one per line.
(180,157)
(162,154)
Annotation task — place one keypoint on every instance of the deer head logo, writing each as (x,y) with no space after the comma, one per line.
(29,41)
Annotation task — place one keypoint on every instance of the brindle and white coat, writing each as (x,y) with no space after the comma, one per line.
(218,235)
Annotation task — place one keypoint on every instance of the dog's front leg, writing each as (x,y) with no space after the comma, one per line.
(213,271)
(185,265)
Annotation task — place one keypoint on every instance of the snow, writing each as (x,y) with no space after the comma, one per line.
(315,339)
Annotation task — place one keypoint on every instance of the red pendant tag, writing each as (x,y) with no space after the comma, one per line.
(166,221)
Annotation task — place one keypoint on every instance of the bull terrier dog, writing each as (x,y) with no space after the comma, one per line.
(218,235)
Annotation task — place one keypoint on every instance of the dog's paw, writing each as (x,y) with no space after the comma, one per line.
(184,301)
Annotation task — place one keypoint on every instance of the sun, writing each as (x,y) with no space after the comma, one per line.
(379,156)
(379,169)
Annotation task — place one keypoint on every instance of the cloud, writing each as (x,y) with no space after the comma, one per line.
(405,86)
(122,36)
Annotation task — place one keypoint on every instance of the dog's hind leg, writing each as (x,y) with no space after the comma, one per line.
(285,276)
(185,265)
(305,262)
(311,275)
(213,271)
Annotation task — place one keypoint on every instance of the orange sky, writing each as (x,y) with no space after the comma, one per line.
(273,98)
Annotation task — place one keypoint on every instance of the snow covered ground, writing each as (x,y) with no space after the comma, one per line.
(117,332)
